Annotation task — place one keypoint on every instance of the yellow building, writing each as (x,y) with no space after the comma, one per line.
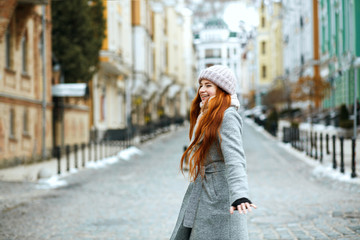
(179,55)
(269,44)
(25,81)
(143,60)
(108,87)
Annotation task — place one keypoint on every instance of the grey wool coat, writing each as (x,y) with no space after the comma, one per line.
(204,214)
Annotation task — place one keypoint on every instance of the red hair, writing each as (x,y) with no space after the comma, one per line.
(206,131)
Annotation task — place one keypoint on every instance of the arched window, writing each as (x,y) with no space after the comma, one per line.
(26,121)
(263,71)
(263,47)
(12,123)
(24,54)
(8,48)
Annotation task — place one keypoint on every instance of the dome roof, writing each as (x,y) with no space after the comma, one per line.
(216,23)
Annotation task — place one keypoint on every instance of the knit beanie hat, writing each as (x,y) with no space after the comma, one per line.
(221,76)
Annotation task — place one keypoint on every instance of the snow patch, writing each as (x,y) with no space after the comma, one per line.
(128,153)
(319,170)
(51,183)
(55,182)
(102,163)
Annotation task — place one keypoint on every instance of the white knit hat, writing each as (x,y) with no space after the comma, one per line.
(221,75)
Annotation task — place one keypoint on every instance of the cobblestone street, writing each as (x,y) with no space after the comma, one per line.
(140,199)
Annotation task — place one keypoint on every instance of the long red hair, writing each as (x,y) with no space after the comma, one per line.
(206,132)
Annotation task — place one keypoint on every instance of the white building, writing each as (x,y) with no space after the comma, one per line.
(215,44)
(298,38)
(108,86)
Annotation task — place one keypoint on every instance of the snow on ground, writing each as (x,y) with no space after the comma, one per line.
(57,181)
(51,183)
(128,153)
(319,170)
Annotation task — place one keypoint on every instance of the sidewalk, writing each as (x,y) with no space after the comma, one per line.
(324,170)
(94,158)
(46,169)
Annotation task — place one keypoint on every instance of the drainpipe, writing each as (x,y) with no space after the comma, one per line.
(43,53)
(355,103)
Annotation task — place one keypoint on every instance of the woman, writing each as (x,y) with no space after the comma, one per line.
(217,165)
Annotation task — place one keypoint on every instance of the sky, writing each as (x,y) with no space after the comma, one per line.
(238,11)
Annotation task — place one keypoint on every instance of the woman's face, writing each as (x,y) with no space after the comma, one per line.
(207,89)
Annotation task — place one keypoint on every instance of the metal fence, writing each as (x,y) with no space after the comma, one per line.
(319,146)
(78,155)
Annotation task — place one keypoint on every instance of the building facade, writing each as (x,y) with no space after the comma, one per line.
(143,76)
(25,81)
(173,62)
(249,72)
(340,50)
(109,88)
(216,44)
(269,44)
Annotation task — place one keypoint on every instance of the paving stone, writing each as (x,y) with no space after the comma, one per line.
(140,199)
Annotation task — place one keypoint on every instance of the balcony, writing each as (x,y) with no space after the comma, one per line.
(38,2)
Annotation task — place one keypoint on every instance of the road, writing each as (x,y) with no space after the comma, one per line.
(140,199)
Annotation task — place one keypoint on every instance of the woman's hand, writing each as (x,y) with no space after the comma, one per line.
(243,208)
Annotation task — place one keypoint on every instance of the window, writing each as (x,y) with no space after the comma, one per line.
(263,72)
(12,123)
(24,54)
(263,47)
(26,122)
(103,105)
(208,53)
(212,53)
(263,22)
(8,48)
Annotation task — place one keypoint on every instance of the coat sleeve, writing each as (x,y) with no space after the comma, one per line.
(231,145)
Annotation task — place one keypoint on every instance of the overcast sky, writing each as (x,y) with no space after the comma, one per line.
(238,11)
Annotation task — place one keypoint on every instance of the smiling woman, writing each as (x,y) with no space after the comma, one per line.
(206,90)
(217,165)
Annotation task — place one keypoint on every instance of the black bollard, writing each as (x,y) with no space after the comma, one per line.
(83,154)
(342,155)
(321,148)
(58,157)
(67,150)
(316,146)
(311,144)
(95,150)
(284,135)
(353,163)
(76,155)
(327,144)
(298,139)
(89,146)
(334,152)
(103,149)
(107,152)
(307,143)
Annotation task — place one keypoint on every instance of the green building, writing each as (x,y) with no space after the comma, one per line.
(340,50)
